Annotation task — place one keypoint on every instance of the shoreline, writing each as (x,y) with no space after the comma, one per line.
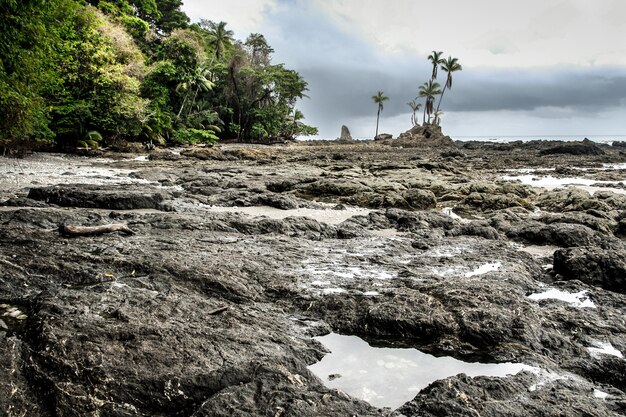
(426,248)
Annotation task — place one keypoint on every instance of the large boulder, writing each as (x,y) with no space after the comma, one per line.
(420,199)
(605,268)
(574,199)
(586,147)
(423,135)
(126,197)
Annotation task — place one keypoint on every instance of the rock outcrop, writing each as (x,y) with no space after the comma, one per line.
(600,267)
(586,147)
(423,135)
(345,135)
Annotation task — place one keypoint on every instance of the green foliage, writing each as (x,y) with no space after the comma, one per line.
(170,16)
(25,46)
(191,136)
(86,72)
(91,140)
(100,71)
(429,91)
(137,27)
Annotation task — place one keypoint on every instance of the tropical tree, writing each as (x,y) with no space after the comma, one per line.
(415,106)
(379,98)
(258,49)
(450,65)
(220,38)
(429,90)
(436,59)
(197,82)
(294,125)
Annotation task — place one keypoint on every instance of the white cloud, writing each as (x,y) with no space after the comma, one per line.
(531,33)
(243,16)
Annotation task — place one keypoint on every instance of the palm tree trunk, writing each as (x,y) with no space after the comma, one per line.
(193,101)
(377,119)
(424,118)
(183,105)
(441,96)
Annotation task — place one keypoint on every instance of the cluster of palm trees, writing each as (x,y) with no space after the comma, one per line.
(428,91)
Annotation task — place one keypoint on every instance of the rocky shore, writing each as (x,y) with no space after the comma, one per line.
(240,255)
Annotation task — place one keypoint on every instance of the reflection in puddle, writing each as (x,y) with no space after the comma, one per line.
(389,377)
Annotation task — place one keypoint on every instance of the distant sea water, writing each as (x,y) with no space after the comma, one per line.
(505,139)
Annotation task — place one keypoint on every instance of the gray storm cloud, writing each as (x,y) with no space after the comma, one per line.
(347,57)
(346,94)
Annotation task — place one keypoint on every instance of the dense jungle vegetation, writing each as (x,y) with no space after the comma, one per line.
(76,73)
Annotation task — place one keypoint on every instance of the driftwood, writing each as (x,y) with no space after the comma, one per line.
(217,311)
(67,230)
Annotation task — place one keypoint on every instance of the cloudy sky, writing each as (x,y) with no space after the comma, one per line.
(533,67)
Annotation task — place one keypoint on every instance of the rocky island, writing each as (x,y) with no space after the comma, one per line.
(232,263)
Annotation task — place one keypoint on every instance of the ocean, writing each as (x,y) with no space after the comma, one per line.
(505,139)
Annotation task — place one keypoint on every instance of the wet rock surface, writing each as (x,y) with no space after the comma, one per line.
(206,312)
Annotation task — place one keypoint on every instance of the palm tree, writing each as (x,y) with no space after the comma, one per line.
(415,106)
(450,65)
(436,59)
(219,38)
(379,98)
(429,90)
(203,117)
(198,81)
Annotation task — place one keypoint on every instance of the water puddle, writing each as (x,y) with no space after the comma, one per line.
(538,251)
(449,251)
(460,270)
(616,166)
(328,216)
(604,348)
(600,394)
(549,182)
(484,269)
(389,377)
(52,169)
(578,300)
(448,211)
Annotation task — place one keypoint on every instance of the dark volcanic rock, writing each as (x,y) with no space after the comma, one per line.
(345,135)
(426,135)
(605,268)
(580,200)
(461,396)
(420,199)
(202,312)
(585,147)
(558,234)
(127,197)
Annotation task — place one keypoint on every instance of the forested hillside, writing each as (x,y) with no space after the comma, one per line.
(77,73)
